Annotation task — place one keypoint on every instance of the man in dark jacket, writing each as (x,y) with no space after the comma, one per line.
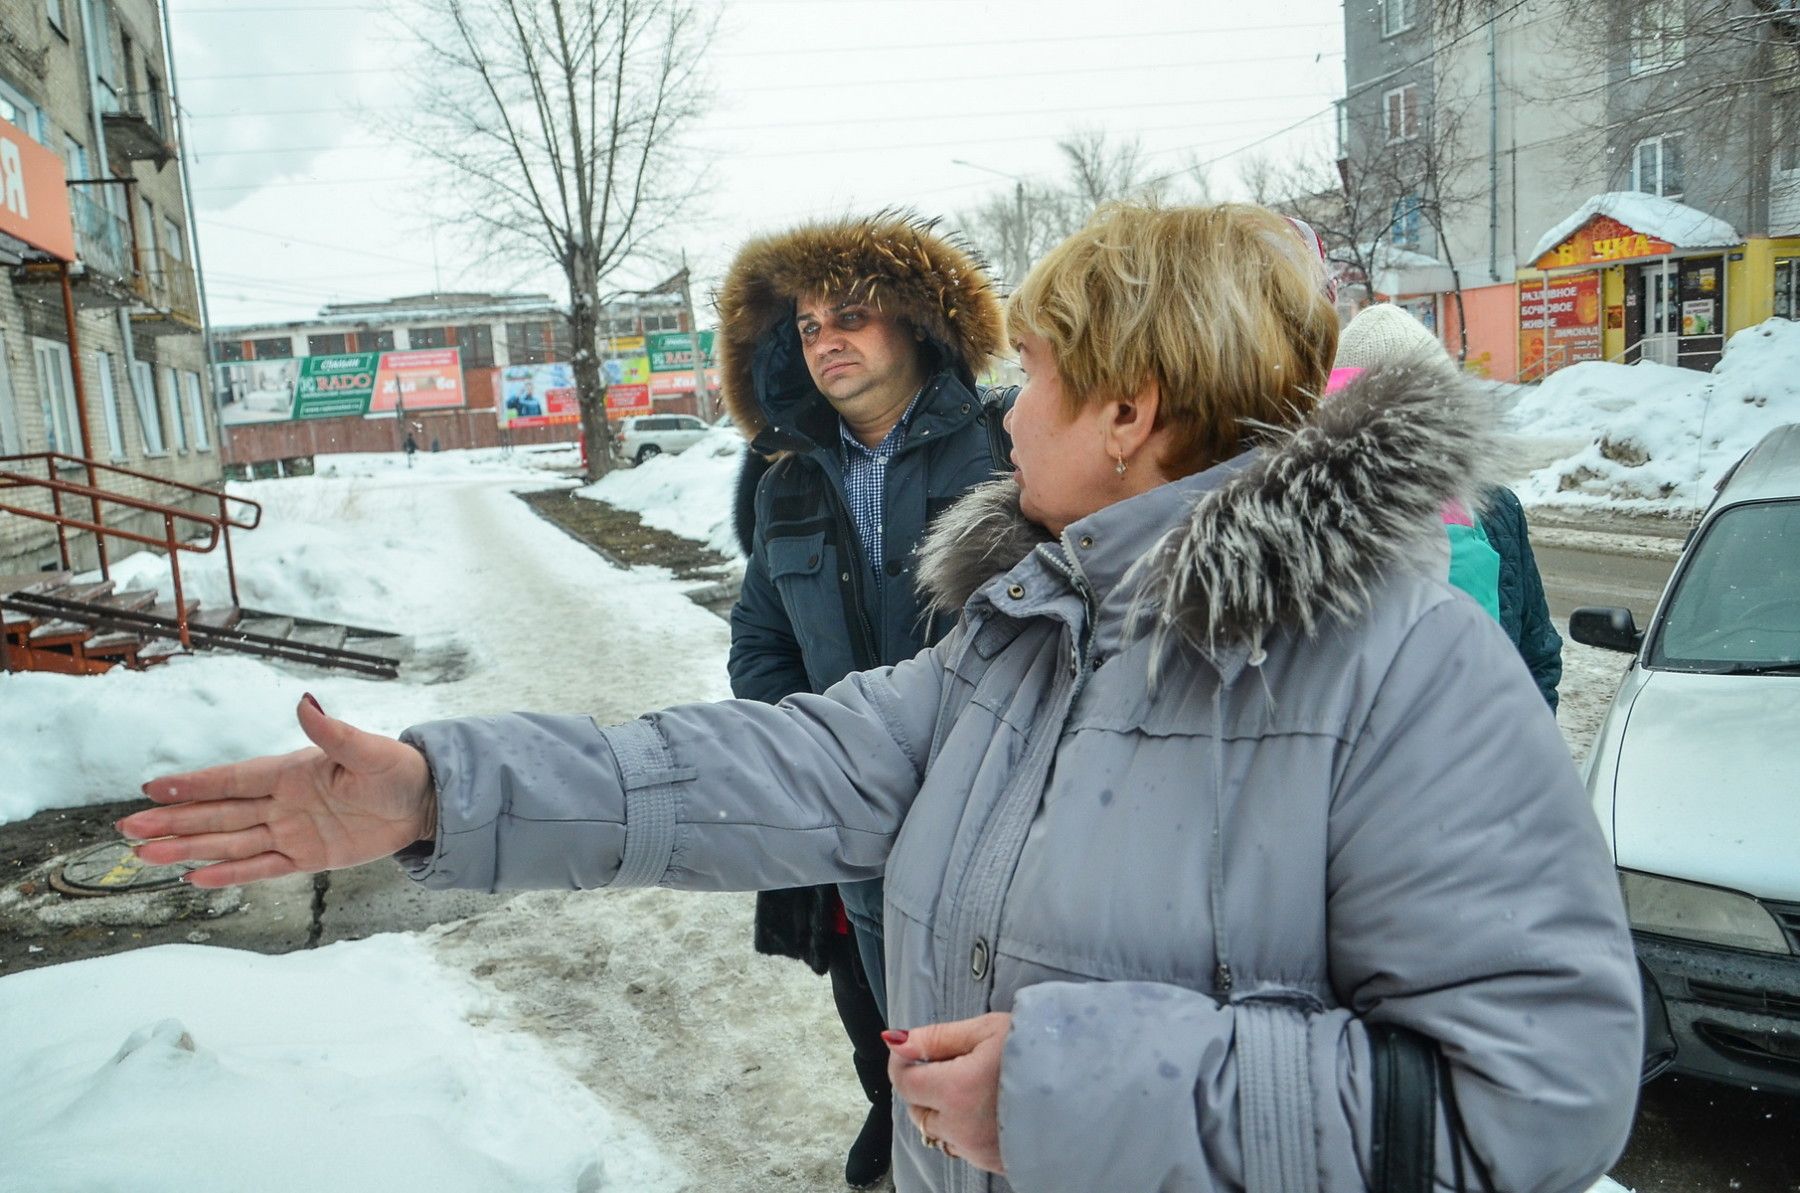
(849,352)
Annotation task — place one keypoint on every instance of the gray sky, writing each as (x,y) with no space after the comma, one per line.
(821,107)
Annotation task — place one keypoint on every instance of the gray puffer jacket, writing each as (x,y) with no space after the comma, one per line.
(1215,794)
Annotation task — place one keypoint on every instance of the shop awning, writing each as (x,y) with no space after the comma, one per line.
(1629,225)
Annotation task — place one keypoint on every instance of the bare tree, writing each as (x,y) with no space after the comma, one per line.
(1102,170)
(558,122)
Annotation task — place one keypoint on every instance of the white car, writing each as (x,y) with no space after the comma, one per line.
(1696,780)
(641,436)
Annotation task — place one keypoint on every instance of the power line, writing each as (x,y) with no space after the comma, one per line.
(839,85)
(318,244)
(939,45)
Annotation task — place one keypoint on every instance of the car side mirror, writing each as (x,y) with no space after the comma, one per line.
(1609,629)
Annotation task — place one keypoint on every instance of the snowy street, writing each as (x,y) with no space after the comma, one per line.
(601,1042)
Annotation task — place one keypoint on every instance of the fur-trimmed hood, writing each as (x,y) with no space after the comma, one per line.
(896,262)
(1295,534)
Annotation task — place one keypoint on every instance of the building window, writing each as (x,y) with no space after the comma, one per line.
(1397,16)
(668,321)
(1658,35)
(153,103)
(1787,131)
(1408,228)
(177,423)
(228,351)
(620,325)
(329,344)
(273,348)
(173,240)
(99,29)
(149,406)
(428,337)
(53,9)
(1400,113)
(196,402)
(476,340)
(109,401)
(374,341)
(21,113)
(1787,288)
(529,343)
(56,394)
(1656,167)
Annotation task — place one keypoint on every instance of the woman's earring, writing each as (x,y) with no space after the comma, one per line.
(1119,466)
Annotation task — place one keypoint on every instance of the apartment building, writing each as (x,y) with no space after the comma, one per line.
(1555,183)
(101,351)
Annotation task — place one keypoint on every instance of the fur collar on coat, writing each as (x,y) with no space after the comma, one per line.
(1300,532)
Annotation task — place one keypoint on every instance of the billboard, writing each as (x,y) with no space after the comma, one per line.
(625,400)
(673,350)
(626,370)
(1559,323)
(256,391)
(426,379)
(537,396)
(1601,241)
(335,386)
(670,385)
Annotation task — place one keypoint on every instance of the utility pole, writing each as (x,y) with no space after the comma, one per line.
(1021,246)
(702,396)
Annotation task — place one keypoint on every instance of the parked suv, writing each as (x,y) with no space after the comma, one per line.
(1696,779)
(641,436)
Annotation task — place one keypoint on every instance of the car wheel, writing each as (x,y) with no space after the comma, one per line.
(648,450)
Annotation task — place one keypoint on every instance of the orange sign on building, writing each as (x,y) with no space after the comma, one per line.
(34,195)
(1559,323)
(1602,241)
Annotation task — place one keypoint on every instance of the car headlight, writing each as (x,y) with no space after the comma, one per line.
(1689,911)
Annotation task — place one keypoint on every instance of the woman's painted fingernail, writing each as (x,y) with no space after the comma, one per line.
(144,787)
(895,1038)
(309,698)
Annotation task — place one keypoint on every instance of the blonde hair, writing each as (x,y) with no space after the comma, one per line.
(1221,307)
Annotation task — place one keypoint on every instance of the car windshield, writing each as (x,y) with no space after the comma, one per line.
(1736,605)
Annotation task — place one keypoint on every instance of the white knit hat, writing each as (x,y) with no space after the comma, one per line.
(1385,334)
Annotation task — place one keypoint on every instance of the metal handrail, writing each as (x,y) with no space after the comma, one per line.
(220,525)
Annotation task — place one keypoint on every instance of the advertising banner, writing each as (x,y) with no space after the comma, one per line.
(428,379)
(256,391)
(1559,323)
(34,195)
(672,350)
(670,385)
(335,386)
(625,400)
(537,396)
(626,370)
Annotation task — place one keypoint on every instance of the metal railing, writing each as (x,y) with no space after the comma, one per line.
(169,284)
(216,527)
(102,236)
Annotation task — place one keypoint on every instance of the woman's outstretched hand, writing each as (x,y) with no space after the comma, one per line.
(351,798)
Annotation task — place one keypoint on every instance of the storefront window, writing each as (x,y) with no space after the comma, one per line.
(1787,288)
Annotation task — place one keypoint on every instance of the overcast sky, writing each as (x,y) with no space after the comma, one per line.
(821,107)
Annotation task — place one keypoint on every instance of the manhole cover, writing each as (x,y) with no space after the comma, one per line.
(110,868)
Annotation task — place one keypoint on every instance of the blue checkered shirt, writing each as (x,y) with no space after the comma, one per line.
(865,483)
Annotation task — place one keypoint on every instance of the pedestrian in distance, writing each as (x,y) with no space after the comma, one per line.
(1508,584)
(850,350)
(1225,847)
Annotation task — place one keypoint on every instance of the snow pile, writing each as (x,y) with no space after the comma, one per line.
(1653,439)
(351,1067)
(691,494)
(502,611)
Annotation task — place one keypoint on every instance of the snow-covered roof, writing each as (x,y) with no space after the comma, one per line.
(1680,225)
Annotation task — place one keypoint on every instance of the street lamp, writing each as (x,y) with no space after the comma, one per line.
(1021,246)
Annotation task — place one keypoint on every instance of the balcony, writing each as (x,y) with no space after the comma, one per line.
(138,127)
(172,302)
(104,274)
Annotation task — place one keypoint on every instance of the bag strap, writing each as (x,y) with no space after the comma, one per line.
(1403,1151)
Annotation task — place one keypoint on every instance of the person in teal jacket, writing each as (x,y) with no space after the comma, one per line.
(1490,553)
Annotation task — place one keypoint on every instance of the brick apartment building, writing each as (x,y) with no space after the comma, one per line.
(85,113)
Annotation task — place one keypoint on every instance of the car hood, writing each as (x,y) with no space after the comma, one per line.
(1708,782)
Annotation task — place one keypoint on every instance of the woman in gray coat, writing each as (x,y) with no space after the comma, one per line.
(1224,847)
